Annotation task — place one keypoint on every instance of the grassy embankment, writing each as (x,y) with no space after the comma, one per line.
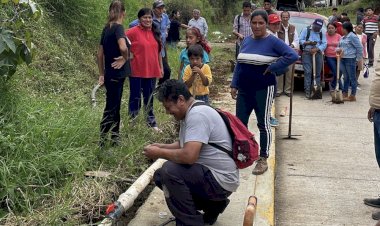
(49,131)
(350,9)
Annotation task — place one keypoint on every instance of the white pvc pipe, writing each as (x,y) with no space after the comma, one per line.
(126,200)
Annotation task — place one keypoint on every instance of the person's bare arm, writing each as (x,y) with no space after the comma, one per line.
(184,26)
(120,61)
(189,82)
(189,154)
(197,70)
(174,145)
(100,59)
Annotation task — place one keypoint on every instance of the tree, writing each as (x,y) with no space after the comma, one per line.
(15,33)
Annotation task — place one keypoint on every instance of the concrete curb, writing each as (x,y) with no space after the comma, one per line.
(264,187)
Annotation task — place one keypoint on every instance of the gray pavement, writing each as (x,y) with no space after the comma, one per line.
(323,176)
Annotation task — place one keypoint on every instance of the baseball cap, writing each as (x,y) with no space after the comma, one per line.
(158,3)
(318,22)
(273,18)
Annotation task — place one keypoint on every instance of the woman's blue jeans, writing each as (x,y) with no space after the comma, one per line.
(332,63)
(348,69)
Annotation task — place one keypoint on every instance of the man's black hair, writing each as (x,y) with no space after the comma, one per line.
(171,89)
(247,5)
(344,14)
(335,9)
(368,8)
(195,50)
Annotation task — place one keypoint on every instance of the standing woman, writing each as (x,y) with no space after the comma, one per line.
(261,55)
(351,52)
(112,45)
(174,29)
(146,65)
(332,38)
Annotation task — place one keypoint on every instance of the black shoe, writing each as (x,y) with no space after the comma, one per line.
(376,216)
(372,202)
(210,216)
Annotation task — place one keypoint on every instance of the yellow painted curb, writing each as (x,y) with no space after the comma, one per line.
(264,188)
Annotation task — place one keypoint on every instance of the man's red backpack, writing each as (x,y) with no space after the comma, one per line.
(245,150)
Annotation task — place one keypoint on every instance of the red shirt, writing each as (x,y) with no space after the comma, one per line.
(144,47)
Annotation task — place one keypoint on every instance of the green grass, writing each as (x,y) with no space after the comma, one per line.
(350,9)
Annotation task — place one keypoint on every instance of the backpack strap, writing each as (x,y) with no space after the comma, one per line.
(308,34)
(238,19)
(199,103)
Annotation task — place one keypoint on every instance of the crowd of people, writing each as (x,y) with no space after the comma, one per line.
(266,49)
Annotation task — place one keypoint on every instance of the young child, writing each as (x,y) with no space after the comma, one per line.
(193,36)
(363,40)
(197,75)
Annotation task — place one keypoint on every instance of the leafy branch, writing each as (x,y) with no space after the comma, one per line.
(15,36)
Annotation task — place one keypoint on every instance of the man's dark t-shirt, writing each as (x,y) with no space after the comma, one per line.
(173,33)
(110,36)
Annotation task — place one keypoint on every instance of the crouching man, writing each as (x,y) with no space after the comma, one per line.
(196,176)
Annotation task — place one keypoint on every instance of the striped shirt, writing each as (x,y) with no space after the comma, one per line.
(371,24)
(243,26)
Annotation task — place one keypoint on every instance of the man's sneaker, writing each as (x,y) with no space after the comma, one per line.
(376,216)
(274,122)
(261,166)
(210,216)
(372,202)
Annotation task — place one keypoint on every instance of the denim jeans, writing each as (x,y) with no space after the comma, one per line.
(307,61)
(348,69)
(376,127)
(146,87)
(331,62)
(188,188)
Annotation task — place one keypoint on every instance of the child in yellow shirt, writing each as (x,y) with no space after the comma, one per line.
(197,76)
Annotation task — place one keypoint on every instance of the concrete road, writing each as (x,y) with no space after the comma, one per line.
(323,176)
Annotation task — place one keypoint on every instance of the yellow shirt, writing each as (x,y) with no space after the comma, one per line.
(197,88)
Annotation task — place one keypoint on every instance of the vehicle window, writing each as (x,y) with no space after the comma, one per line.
(302,23)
